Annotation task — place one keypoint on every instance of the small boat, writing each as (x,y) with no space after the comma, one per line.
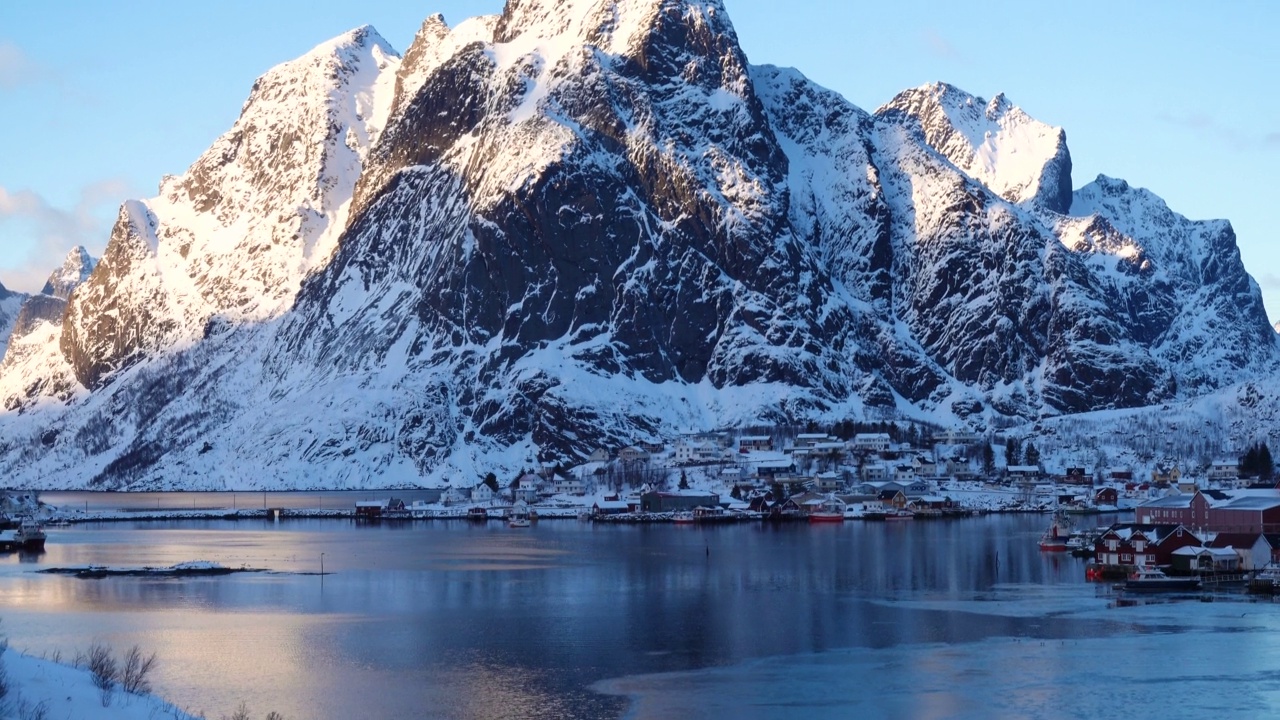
(1057,536)
(1266,581)
(518,521)
(901,514)
(1080,543)
(1149,579)
(29,536)
(683,518)
(822,516)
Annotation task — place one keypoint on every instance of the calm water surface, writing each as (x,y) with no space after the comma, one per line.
(573,620)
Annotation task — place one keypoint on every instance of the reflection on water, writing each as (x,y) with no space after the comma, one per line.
(458,620)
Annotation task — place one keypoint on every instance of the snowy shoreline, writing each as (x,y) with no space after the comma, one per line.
(66,691)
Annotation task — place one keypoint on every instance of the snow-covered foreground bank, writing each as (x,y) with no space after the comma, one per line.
(68,692)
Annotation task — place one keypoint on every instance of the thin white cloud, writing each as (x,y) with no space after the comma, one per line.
(940,46)
(16,69)
(1269,281)
(36,235)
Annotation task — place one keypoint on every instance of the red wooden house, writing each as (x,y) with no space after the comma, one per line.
(1128,544)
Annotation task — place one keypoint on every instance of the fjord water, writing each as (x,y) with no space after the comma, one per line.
(567,619)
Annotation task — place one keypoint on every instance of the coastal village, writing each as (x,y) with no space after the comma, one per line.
(1220,518)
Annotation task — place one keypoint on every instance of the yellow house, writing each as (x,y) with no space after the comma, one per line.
(1165,475)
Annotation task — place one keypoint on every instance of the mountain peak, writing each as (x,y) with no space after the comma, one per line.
(75,269)
(1016,156)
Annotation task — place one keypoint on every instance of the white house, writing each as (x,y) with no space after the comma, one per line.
(632,453)
(481,493)
(871,442)
(1023,472)
(874,472)
(829,481)
(693,453)
(1224,470)
(452,495)
(569,486)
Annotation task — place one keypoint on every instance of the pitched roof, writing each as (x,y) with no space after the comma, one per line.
(1169,501)
(1251,502)
(1237,540)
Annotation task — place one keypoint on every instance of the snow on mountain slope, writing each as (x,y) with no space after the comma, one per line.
(10,305)
(1019,158)
(232,239)
(1213,320)
(75,269)
(589,222)
(33,366)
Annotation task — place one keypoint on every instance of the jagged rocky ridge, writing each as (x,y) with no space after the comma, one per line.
(584,222)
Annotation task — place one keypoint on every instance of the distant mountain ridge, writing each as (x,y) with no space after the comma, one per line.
(589,222)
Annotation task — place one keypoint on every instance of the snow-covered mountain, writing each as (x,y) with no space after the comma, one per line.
(10,305)
(32,365)
(75,269)
(586,222)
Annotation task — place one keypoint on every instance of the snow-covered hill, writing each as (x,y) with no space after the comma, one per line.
(588,222)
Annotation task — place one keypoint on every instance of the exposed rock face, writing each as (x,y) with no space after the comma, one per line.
(231,240)
(33,366)
(38,309)
(10,305)
(586,222)
(75,270)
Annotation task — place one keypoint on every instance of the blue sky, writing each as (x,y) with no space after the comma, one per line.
(99,100)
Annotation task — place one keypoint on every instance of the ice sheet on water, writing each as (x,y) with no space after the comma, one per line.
(1209,662)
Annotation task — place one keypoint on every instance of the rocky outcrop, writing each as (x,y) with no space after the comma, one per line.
(75,269)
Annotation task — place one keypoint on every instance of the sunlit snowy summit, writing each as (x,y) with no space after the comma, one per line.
(586,223)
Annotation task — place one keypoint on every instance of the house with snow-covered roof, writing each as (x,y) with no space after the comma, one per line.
(874,472)
(1224,470)
(568,485)
(1137,545)
(481,493)
(1164,475)
(774,468)
(691,452)
(1022,472)
(633,454)
(828,481)
(1205,559)
(748,443)
(872,442)
(804,440)
(453,495)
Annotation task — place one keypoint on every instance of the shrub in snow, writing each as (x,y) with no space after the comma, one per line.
(134,671)
(28,711)
(102,666)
